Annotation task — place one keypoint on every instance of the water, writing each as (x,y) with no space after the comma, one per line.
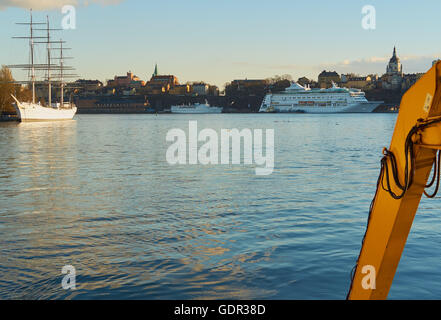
(98,194)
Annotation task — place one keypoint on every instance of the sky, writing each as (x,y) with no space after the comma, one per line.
(218,41)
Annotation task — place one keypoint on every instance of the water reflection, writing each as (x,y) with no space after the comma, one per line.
(98,194)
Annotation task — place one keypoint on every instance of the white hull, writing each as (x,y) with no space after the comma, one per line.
(200,109)
(363,107)
(35,112)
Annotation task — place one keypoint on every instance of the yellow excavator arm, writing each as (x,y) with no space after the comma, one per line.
(405,171)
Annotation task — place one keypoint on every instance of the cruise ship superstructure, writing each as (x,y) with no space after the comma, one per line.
(196,108)
(297,98)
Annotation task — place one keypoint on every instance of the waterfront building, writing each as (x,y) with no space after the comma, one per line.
(355,81)
(344,77)
(254,87)
(129,92)
(201,89)
(112,104)
(127,81)
(160,84)
(394,78)
(326,78)
(213,91)
(248,84)
(87,87)
(106,91)
(179,90)
(409,80)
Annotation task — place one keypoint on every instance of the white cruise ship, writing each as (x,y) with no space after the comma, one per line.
(297,98)
(196,108)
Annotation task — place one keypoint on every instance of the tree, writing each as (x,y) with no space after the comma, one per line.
(23,93)
(278,78)
(280,85)
(8,87)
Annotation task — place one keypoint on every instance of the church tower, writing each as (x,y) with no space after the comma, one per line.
(394,67)
(155,73)
(393,79)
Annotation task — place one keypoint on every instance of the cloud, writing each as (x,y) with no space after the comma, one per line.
(364,66)
(50,4)
(411,63)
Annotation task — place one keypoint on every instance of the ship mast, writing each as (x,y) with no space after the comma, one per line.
(49,64)
(62,67)
(30,67)
(61,76)
(31,43)
(55,67)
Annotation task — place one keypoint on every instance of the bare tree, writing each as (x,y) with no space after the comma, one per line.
(6,88)
(278,78)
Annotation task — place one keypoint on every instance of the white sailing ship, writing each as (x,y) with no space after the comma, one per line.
(33,111)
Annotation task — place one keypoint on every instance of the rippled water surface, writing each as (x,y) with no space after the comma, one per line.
(98,194)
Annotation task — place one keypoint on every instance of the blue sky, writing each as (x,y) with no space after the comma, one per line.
(218,41)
